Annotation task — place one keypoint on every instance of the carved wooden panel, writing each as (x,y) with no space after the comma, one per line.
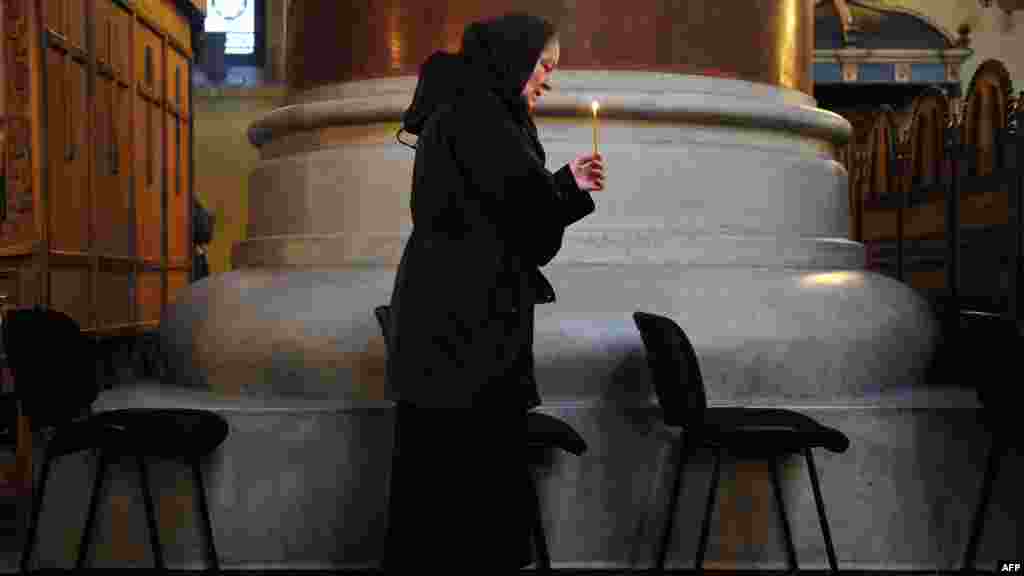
(91,80)
(76,156)
(171,159)
(113,37)
(881,158)
(176,281)
(67,168)
(115,222)
(114,293)
(105,166)
(54,16)
(880,182)
(852,156)
(178,243)
(9,287)
(19,49)
(70,291)
(879,225)
(149,70)
(927,165)
(877,159)
(986,111)
(150,286)
(62,236)
(104,10)
(179,81)
(77,23)
(30,285)
(163,16)
(984,209)
(927,136)
(182,212)
(925,220)
(925,178)
(123,210)
(149,148)
(931,280)
(104,117)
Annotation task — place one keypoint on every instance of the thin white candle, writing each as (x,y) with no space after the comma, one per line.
(594,106)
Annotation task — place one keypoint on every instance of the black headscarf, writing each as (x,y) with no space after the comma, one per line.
(504,52)
(498,55)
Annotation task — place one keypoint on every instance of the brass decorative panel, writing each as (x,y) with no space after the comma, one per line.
(768,41)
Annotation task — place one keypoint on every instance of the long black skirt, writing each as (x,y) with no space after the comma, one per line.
(459,491)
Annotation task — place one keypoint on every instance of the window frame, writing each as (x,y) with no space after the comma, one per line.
(258,57)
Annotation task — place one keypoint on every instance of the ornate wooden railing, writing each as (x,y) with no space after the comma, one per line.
(936,194)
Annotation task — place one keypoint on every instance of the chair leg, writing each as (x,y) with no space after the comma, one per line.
(978,522)
(37,507)
(781,505)
(833,563)
(706,524)
(204,511)
(147,498)
(90,518)
(682,453)
(540,543)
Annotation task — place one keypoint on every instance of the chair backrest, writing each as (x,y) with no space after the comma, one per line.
(52,363)
(545,431)
(383,314)
(674,369)
(991,345)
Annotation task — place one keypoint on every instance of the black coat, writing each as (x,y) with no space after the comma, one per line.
(202,235)
(487,214)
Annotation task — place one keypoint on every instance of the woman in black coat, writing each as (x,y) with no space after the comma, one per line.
(487,214)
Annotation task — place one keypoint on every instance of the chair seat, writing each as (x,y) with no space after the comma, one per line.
(166,432)
(767,430)
(543,431)
(85,434)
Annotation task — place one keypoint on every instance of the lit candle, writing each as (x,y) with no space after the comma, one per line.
(594,106)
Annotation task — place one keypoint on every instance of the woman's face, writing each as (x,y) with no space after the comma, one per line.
(537,85)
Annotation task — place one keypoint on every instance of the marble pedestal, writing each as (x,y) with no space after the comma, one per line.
(724,210)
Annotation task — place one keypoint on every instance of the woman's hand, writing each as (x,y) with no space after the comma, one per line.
(589,172)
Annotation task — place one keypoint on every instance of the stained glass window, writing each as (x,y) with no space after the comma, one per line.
(237,19)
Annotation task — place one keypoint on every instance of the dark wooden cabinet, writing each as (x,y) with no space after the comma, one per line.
(97,167)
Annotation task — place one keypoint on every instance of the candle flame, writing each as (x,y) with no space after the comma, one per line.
(843,278)
(594,106)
